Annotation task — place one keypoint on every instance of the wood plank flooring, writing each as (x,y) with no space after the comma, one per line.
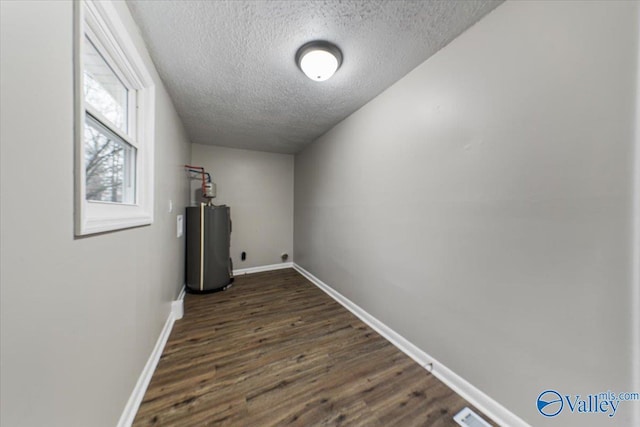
(275,350)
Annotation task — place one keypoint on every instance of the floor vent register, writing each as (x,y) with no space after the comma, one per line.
(468,418)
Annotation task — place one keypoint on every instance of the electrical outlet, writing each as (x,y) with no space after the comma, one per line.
(179,226)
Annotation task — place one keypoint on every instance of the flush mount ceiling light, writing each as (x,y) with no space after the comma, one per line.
(319,60)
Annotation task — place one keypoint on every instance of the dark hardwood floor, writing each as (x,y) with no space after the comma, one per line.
(275,350)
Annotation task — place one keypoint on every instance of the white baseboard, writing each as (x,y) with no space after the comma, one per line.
(473,395)
(177,306)
(131,408)
(261,268)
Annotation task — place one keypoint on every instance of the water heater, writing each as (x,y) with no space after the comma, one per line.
(208,235)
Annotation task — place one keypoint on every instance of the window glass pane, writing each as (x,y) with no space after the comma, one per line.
(103,90)
(109,164)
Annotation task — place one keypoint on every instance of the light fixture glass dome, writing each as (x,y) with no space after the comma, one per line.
(319,60)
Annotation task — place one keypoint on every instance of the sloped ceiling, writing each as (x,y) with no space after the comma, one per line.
(230,68)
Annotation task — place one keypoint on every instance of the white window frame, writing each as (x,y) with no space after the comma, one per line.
(100,21)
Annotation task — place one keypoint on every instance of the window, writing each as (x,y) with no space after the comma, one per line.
(114,124)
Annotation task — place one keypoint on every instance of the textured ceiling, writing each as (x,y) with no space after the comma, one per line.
(230,69)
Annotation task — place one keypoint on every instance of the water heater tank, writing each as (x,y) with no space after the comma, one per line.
(208,235)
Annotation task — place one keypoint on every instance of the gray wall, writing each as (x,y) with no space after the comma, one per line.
(482,205)
(258,187)
(79,317)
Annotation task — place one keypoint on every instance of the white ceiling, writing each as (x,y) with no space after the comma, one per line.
(230,69)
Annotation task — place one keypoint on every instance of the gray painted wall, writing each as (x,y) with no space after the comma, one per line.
(258,187)
(79,317)
(482,206)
